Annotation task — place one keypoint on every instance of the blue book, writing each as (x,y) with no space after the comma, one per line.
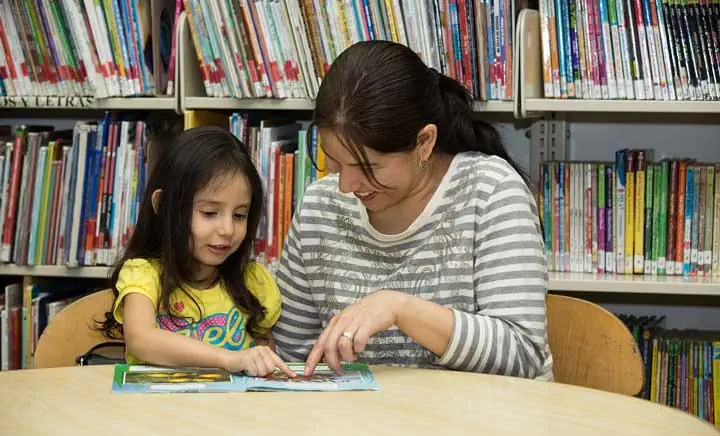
(154,379)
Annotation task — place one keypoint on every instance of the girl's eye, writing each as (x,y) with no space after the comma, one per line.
(240,216)
(208,213)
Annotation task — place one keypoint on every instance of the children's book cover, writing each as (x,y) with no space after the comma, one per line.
(155,379)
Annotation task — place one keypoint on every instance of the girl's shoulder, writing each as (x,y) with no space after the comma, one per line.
(261,283)
(139,271)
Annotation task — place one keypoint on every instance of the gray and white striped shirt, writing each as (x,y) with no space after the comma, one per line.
(476,248)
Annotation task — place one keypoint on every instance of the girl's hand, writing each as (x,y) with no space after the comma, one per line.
(348,332)
(257,361)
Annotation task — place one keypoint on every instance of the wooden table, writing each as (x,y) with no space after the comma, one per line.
(79,401)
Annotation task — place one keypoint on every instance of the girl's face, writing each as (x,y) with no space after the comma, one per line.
(397,172)
(219,218)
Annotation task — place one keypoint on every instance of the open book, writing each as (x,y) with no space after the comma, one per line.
(154,379)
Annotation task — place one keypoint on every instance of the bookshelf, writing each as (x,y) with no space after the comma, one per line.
(527,103)
(89,103)
(192,94)
(622,106)
(634,284)
(93,272)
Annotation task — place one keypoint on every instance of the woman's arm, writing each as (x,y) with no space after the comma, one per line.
(507,333)
(299,325)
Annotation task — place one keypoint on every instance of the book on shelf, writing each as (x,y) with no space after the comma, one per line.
(631,49)
(81,48)
(283,48)
(288,158)
(682,367)
(25,311)
(633,215)
(70,197)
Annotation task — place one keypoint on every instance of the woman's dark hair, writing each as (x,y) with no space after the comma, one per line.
(188,164)
(380,94)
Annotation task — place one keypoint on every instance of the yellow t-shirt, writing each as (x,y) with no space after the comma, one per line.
(223,324)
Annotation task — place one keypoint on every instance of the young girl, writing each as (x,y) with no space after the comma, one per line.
(187,293)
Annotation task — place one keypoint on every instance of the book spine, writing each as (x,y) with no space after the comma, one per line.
(662,250)
(655,227)
(620,226)
(716,229)
(648,219)
(595,219)
(588,215)
(695,218)
(609,191)
(709,219)
(600,211)
(630,212)
(671,218)
(639,212)
(568,204)
(687,231)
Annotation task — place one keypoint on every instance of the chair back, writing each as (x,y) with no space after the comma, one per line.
(591,347)
(71,332)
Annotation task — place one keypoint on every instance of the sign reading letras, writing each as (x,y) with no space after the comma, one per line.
(46,101)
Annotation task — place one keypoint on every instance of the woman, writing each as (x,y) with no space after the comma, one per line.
(423,248)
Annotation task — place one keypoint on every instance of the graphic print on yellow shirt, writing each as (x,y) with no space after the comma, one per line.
(223,324)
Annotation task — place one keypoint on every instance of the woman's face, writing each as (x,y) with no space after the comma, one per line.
(397,172)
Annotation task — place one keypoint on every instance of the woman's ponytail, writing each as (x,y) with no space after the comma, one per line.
(459,130)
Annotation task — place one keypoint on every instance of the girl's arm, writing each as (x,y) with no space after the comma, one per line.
(151,344)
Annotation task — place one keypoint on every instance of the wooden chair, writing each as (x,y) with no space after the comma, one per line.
(71,332)
(591,347)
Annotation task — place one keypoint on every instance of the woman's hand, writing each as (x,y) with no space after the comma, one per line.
(257,361)
(348,332)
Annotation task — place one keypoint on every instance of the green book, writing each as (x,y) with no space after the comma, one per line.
(663,205)
(647,242)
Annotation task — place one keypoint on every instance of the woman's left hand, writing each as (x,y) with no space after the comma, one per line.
(348,332)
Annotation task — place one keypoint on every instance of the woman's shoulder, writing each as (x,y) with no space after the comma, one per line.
(484,168)
(479,173)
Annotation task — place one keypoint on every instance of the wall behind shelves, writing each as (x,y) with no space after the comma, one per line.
(598,136)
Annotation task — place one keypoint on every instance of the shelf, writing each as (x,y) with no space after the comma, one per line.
(493,106)
(210,103)
(88,103)
(627,106)
(96,272)
(634,284)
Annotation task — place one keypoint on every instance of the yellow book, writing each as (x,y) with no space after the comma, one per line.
(639,258)
(391,20)
(629,211)
(44,205)
(343,23)
(322,171)
(206,118)
(716,380)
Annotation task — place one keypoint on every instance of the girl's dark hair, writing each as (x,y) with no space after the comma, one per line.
(380,94)
(189,163)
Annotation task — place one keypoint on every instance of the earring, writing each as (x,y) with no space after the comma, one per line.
(423,165)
